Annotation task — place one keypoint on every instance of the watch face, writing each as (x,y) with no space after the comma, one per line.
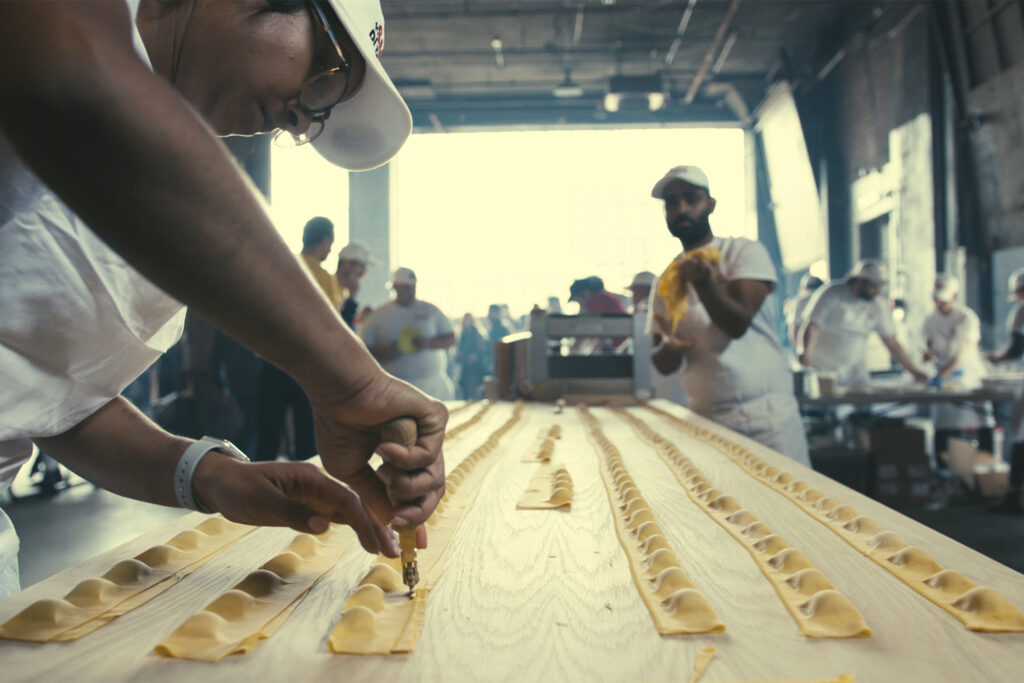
(232,449)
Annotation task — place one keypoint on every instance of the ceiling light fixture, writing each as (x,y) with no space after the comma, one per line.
(499,56)
(568,88)
(648,89)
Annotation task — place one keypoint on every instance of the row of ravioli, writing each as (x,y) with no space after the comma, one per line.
(980,608)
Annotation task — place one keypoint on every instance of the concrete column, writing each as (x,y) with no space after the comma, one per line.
(370,211)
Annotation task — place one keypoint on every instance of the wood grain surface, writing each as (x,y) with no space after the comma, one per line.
(530,595)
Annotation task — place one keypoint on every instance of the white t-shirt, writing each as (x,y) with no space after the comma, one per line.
(794,311)
(1015,324)
(426,369)
(948,336)
(844,322)
(956,334)
(77,323)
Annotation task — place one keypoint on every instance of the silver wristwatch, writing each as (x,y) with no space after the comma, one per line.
(183,489)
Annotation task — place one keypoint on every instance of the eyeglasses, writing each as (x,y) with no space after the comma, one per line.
(319,93)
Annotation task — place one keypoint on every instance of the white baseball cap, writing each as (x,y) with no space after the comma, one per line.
(870,270)
(368,129)
(356,251)
(946,288)
(689,174)
(642,279)
(403,276)
(1015,283)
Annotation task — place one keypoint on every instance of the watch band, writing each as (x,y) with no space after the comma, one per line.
(183,473)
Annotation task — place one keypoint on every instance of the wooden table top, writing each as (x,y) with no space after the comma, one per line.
(547,595)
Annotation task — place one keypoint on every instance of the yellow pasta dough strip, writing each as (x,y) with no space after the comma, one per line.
(128,584)
(980,608)
(817,607)
(544,447)
(258,605)
(841,678)
(380,617)
(456,431)
(704,658)
(550,488)
(673,601)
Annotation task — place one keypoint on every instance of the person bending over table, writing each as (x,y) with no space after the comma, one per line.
(952,333)
(837,321)
(117,201)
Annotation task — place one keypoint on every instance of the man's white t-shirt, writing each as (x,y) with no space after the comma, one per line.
(1015,325)
(77,323)
(744,384)
(426,369)
(949,336)
(958,333)
(844,322)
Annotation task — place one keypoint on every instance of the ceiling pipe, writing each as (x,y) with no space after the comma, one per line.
(677,42)
(709,56)
(724,54)
(577,31)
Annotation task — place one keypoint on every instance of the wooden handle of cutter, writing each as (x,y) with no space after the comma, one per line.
(401,430)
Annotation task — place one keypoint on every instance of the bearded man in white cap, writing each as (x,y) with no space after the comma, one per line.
(725,348)
(118,205)
(952,333)
(410,338)
(839,318)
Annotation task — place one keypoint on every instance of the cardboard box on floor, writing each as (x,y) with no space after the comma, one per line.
(984,474)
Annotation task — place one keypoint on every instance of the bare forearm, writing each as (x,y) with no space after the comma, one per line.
(952,365)
(120,449)
(725,312)
(899,353)
(185,216)
(810,340)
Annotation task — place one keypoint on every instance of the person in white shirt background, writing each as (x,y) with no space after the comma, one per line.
(794,308)
(952,333)
(726,350)
(840,316)
(118,205)
(1015,324)
(410,338)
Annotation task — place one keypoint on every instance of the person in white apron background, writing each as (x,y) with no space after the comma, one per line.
(838,320)
(118,205)
(1015,324)
(795,308)
(726,350)
(952,333)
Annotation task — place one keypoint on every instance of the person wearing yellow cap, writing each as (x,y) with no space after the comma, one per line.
(952,333)
(723,342)
(118,205)
(838,320)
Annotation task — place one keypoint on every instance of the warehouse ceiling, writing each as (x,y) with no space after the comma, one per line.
(487,63)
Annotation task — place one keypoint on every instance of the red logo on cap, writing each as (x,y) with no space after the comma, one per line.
(377,38)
